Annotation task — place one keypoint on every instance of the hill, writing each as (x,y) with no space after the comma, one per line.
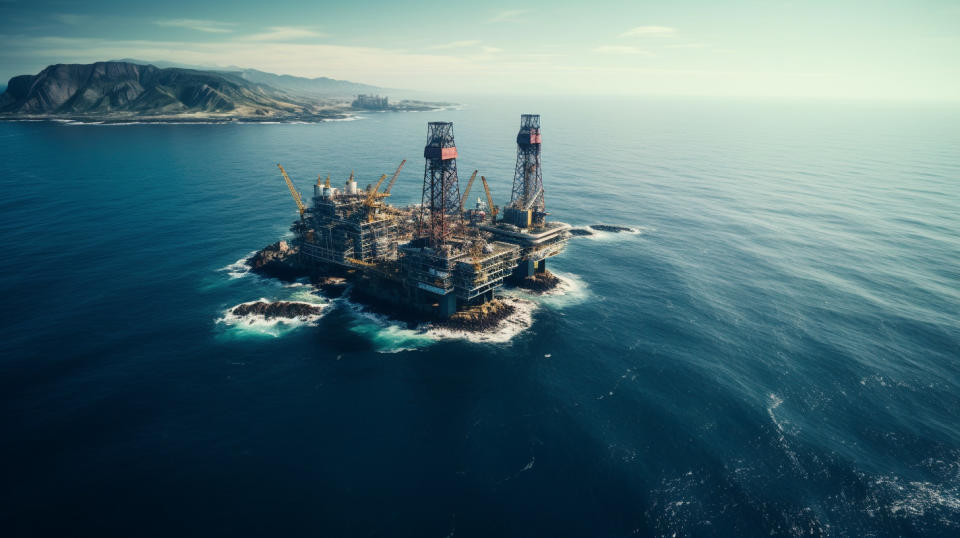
(123,88)
(303,86)
(321,86)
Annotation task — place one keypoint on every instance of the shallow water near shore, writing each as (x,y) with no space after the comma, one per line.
(774,351)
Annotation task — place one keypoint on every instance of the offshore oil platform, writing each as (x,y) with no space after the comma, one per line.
(434,257)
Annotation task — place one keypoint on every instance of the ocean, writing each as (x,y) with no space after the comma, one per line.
(774,349)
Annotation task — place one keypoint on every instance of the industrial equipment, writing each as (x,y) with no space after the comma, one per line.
(466,193)
(293,191)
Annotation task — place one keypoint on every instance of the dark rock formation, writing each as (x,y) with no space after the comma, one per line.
(280,261)
(609,228)
(580,231)
(279,309)
(332,286)
(479,318)
(539,282)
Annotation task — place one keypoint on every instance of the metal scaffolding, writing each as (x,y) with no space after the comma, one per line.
(441,187)
(528,179)
(341,229)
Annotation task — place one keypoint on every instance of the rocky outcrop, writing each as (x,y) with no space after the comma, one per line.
(479,318)
(610,228)
(279,309)
(580,231)
(332,286)
(539,282)
(280,261)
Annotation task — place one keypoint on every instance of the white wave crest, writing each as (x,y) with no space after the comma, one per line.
(518,321)
(572,290)
(601,235)
(239,268)
(775,402)
(348,118)
(390,336)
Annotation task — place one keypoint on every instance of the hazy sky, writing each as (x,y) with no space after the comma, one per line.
(825,49)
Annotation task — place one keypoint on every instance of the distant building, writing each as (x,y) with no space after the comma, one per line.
(370,102)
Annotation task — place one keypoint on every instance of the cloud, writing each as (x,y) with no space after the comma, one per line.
(213,27)
(457,44)
(491,50)
(510,15)
(284,33)
(381,66)
(687,46)
(649,31)
(621,49)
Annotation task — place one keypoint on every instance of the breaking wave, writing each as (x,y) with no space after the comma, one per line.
(520,320)
(239,268)
(572,290)
(390,336)
(603,235)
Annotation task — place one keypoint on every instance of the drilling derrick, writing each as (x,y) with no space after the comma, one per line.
(524,219)
(527,193)
(441,188)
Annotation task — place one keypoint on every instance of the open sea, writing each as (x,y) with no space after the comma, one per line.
(774,351)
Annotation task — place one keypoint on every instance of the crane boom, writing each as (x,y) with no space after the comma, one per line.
(293,190)
(372,195)
(466,193)
(394,178)
(493,210)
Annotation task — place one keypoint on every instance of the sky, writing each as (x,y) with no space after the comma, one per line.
(870,50)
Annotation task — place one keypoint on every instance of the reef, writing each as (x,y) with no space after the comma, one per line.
(280,261)
(479,318)
(580,231)
(540,282)
(279,309)
(609,228)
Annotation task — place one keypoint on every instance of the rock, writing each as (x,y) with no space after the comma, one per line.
(580,231)
(540,282)
(332,286)
(279,260)
(479,318)
(609,228)
(279,309)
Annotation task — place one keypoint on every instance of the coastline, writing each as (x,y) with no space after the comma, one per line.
(203,118)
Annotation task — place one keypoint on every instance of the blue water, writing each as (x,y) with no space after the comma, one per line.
(775,352)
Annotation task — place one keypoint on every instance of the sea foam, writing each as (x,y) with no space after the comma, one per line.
(391,336)
(260,325)
(239,268)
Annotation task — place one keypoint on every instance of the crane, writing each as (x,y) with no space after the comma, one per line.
(372,195)
(293,191)
(493,210)
(466,193)
(386,192)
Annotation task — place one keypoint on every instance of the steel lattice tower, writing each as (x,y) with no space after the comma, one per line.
(441,187)
(527,179)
